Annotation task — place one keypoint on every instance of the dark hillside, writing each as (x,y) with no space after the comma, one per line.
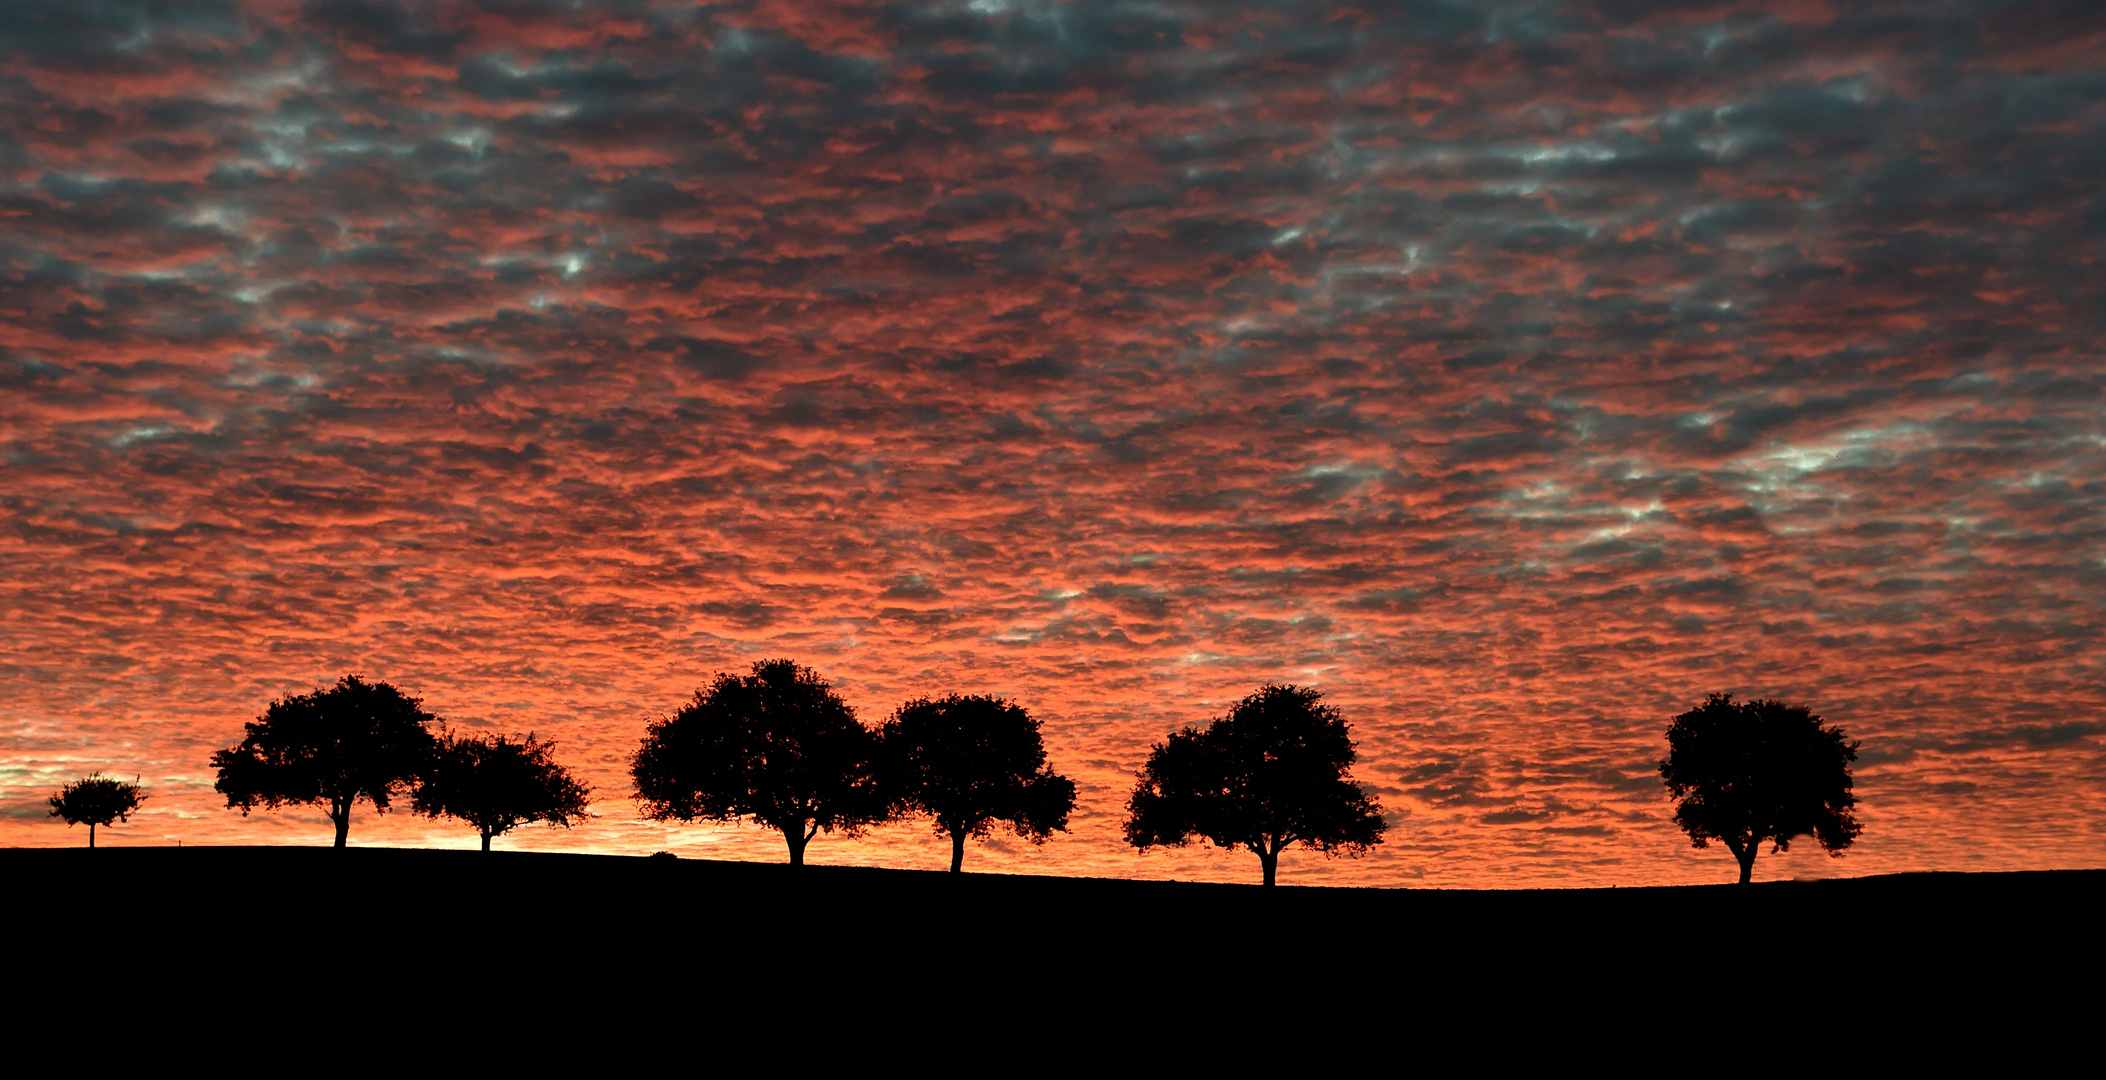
(455,923)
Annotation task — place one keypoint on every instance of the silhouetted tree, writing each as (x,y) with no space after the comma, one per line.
(968,762)
(329,748)
(96,800)
(1742,772)
(778,746)
(1269,774)
(496,785)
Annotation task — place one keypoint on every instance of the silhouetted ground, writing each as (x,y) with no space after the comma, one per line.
(526,934)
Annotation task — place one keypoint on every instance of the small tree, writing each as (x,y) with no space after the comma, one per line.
(1269,774)
(497,785)
(968,762)
(329,748)
(96,800)
(1742,772)
(778,746)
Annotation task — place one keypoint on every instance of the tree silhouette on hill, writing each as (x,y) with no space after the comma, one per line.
(496,784)
(1269,774)
(777,745)
(968,762)
(96,800)
(355,740)
(1742,772)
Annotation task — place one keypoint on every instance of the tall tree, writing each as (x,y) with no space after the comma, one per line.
(496,785)
(331,748)
(777,746)
(1744,772)
(968,762)
(1271,773)
(96,800)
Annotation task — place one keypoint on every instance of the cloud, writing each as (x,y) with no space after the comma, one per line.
(1516,376)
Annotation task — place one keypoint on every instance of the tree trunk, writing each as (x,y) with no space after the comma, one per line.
(1747,862)
(957,852)
(343,823)
(91,834)
(1271,863)
(486,839)
(797,839)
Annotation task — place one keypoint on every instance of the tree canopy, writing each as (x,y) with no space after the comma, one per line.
(96,800)
(776,745)
(1745,772)
(330,748)
(969,762)
(497,784)
(1271,773)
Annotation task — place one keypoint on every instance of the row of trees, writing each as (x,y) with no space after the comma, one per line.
(360,740)
(777,746)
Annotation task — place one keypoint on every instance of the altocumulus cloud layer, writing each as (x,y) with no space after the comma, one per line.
(1515,373)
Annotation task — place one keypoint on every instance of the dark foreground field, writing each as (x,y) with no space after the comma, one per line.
(525,932)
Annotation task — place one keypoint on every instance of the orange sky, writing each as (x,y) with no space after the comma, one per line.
(1514,380)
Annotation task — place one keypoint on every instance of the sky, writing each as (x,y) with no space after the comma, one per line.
(1516,374)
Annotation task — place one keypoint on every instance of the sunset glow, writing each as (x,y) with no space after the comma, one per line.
(1516,375)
